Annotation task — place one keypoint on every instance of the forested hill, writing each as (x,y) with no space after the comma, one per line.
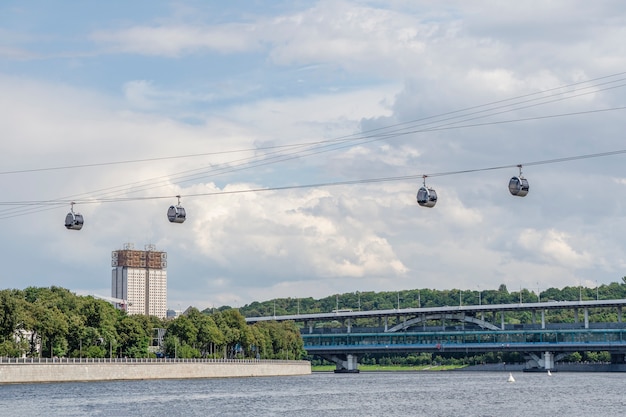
(428,298)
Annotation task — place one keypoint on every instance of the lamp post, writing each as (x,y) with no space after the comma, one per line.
(538,293)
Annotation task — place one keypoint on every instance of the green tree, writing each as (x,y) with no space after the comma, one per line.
(133,338)
(184,329)
(9,315)
(237,334)
(209,337)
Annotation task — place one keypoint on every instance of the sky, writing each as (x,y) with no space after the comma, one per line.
(297,134)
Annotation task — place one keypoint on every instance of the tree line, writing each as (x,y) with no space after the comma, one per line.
(415,298)
(362,301)
(53,322)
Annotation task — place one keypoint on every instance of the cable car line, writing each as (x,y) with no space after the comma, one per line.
(508,110)
(331,145)
(35,207)
(327,184)
(137,187)
(180,179)
(284,158)
(133,161)
(364,135)
(260,163)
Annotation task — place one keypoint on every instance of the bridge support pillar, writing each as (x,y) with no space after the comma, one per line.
(543,361)
(344,364)
(548,360)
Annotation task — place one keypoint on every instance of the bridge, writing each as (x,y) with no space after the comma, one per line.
(474,329)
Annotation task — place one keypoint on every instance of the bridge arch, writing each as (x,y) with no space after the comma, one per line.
(443,316)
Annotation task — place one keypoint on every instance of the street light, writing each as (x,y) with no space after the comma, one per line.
(538,293)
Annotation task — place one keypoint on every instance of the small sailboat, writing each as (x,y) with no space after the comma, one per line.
(511,379)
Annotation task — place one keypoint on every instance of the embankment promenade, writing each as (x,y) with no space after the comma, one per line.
(43,370)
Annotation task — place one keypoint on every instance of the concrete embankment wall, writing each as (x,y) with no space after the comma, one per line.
(17,373)
(558,367)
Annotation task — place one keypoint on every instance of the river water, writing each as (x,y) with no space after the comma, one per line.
(327,394)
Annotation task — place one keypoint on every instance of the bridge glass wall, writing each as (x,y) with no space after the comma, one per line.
(607,336)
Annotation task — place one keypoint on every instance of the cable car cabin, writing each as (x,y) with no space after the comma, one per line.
(518,186)
(426,197)
(74,221)
(176,214)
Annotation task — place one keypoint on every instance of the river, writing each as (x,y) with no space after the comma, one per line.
(327,394)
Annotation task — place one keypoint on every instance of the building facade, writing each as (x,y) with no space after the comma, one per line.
(139,278)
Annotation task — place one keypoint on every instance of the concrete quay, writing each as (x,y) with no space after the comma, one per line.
(37,370)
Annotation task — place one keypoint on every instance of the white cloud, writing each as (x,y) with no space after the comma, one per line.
(553,246)
(175,40)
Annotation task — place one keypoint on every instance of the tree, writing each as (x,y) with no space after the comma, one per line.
(209,335)
(8,314)
(237,334)
(184,329)
(52,327)
(133,338)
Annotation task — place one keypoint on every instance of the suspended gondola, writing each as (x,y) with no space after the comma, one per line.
(426,196)
(74,221)
(176,214)
(518,186)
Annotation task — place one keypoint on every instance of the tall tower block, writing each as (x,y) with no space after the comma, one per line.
(140,278)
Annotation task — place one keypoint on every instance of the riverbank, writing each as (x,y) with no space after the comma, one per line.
(491,367)
(75,370)
(558,367)
(392,368)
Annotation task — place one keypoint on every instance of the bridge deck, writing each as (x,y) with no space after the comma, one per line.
(468,309)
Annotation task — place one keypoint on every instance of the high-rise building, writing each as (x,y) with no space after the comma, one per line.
(139,277)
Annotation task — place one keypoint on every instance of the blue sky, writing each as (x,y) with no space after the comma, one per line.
(203,98)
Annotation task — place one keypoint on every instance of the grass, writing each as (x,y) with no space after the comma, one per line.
(390,368)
